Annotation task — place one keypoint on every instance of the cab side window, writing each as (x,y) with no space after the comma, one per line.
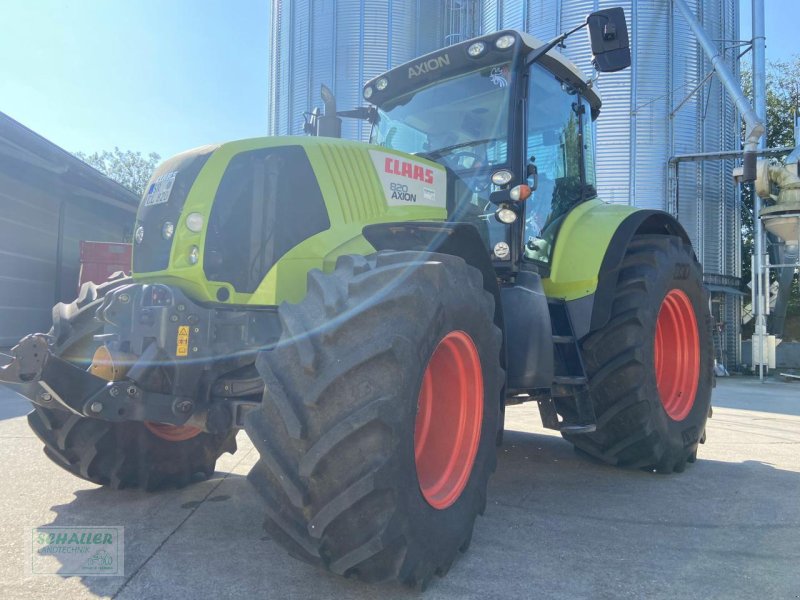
(557,119)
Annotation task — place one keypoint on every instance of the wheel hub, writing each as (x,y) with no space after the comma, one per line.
(677,355)
(447,430)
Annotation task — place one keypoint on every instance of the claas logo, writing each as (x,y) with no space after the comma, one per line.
(395,166)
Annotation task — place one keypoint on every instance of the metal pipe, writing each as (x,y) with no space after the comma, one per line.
(754,125)
(760,106)
(726,154)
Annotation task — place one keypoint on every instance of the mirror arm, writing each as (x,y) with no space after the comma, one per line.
(542,50)
(365,113)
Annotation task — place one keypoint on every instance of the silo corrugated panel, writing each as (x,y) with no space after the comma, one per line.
(543,18)
(323,29)
(490,16)
(349,68)
(512,15)
(341,44)
(650,106)
(403,33)
(300,94)
(711,123)
(685,131)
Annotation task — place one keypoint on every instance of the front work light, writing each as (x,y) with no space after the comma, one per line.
(194,222)
(501,250)
(505,215)
(167,229)
(502,177)
(504,41)
(476,49)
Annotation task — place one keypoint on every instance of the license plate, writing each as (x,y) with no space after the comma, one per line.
(160,189)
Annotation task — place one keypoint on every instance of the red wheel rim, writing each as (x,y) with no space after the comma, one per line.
(677,355)
(447,431)
(172,433)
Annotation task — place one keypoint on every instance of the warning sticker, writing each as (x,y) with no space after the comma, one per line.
(406,181)
(160,189)
(183,341)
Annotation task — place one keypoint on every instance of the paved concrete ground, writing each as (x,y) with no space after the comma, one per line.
(557,525)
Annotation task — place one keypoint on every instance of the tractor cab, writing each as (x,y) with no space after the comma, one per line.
(512,125)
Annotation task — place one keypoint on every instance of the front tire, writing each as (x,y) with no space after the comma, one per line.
(364,467)
(650,367)
(117,455)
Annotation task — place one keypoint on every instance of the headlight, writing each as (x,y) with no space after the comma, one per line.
(504,41)
(194,255)
(501,250)
(139,234)
(502,177)
(476,49)
(194,222)
(368,92)
(505,215)
(167,229)
(381,84)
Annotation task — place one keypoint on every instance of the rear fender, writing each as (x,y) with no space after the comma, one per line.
(588,253)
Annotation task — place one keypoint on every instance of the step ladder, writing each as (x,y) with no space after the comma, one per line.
(570,384)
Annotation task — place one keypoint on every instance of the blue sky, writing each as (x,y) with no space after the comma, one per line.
(148,75)
(167,75)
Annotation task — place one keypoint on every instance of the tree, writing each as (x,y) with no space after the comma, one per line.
(128,168)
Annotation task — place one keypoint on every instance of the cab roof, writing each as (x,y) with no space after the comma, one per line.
(430,68)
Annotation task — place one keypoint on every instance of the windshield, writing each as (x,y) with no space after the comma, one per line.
(461,123)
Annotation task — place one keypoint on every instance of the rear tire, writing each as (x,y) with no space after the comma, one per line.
(117,455)
(336,432)
(650,367)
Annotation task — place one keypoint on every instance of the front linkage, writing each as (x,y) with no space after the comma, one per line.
(160,358)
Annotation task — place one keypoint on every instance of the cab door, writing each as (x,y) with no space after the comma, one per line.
(560,152)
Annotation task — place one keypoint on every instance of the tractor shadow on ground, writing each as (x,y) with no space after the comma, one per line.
(549,511)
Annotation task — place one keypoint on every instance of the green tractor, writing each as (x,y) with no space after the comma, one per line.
(367,311)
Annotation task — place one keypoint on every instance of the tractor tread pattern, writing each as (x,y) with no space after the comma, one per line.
(331,440)
(116,455)
(628,432)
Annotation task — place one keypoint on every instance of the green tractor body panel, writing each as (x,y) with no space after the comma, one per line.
(580,248)
(359,185)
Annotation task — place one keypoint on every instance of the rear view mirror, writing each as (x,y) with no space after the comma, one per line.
(608,34)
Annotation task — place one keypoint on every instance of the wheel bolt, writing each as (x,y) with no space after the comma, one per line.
(131,390)
(184,406)
(96,407)
(45,397)
(114,391)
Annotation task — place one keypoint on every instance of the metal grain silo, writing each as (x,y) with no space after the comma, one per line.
(661,107)
(343,43)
